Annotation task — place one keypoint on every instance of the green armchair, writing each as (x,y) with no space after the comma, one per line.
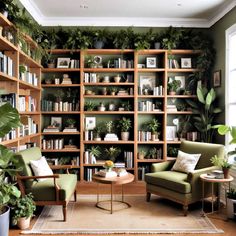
(184,188)
(57,189)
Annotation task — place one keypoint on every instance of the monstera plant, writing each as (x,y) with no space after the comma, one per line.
(9,119)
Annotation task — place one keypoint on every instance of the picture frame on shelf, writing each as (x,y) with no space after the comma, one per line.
(151,62)
(147,84)
(186,63)
(182,81)
(63,62)
(56,122)
(217,78)
(90,123)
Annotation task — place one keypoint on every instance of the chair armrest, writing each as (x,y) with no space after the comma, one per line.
(163,166)
(37,177)
(192,176)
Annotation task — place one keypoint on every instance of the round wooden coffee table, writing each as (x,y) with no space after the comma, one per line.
(112,181)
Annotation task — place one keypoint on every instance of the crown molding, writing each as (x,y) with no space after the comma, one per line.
(33,9)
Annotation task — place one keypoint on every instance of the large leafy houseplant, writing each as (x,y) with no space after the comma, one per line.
(205,111)
(9,119)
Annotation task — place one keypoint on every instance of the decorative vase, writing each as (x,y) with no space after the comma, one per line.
(226,173)
(4,222)
(117,79)
(98,44)
(140,156)
(23,223)
(172,93)
(157,45)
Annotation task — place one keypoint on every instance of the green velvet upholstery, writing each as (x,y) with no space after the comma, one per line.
(181,187)
(45,191)
(54,190)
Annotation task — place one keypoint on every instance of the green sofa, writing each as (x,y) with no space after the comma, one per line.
(182,187)
(57,189)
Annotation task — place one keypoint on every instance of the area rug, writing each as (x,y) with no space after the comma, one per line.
(156,216)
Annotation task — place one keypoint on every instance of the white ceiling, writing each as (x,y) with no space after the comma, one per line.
(137,13)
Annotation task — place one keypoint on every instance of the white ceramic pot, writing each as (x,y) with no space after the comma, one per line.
(125,136)
(23,222)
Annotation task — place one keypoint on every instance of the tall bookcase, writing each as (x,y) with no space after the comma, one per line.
(22,88)
(141,95)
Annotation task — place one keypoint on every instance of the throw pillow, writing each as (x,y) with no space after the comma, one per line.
(40,167)
(186,162)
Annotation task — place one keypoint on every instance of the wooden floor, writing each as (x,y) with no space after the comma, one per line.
(219,220)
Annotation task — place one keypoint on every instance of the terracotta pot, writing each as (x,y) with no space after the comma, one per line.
(140,156)
(226,173)
(172,93)
(23,223)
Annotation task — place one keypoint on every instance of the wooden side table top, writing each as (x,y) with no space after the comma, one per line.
(114,180)
(215,180)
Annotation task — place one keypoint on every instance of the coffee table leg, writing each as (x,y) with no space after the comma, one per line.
(111,198)
(122,189)
(203,195)
(97,192)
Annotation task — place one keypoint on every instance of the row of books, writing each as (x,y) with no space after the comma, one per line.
(27,103)
(144,135)
(193,136)
(89,173)
(75,161)
(173,64)
(74,63)
(89,159)
(155,91)
(51,128)
(128,159)
(10,97)
(147,106)
(11,135)
(142,170)
(28,126)
(29,77)
(53,144)
(47,105)
(171,108)
(122,63)
(90,78)
(88,135)
(6,64)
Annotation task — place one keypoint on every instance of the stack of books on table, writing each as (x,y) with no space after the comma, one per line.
(121,172)
(215,174)
(69,129)
(107,174)
(51,128)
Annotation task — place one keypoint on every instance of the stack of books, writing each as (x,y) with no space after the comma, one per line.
(66,80)
(107,174)
(70,129)
(51,128)
(171,108)
(122,93)
(111,137)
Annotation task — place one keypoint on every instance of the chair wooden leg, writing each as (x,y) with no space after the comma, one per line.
(64,209)
(75,196)
(148,196)
(185,209)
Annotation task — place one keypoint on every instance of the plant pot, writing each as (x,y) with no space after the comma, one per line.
(172,93)
(97,139)
(117,79)
(230,208)
(1,28)
(23,222)
(4,222)
(101,108)
(140,156)
(5,13)
(51,65)
(125,136)
(157,45)
(98,44)
(226,173)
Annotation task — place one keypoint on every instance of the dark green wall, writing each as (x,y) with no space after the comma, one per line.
(217,32)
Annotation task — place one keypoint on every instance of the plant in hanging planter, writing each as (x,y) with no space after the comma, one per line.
(173,85)
(153,127)
(112,153)
(23,209)
(125,125)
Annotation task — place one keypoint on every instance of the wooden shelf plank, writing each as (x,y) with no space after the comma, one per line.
(150,160)
(59,112)
(5,77)
(59,85)
(6,45)
(11,141)
(28,60)
(61,133)
(29,113)
(183,70)
(108,112)
(4,21)
(50,70)
(27,85)
(151,70)
(108,96)
(150,96)
(150,142)
(110,70)
(108,84)
(61,150)
(180,113)
(181,96)
(151,112)
(108,142)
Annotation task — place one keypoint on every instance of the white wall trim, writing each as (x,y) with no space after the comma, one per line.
(125,21)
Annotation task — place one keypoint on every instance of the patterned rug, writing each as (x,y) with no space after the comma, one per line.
(156,216)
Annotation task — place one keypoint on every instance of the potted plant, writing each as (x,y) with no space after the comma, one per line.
(9,8)
(59,94)
(108,165)
(113,90)
(153,153)
(124,124)
(141,154)
(101,107)
(97,132)
(172,151)
(23,210)
(89,106)
(99,38)
(94,152)
(231,201)
(173,86)
(70,122)
(153,127)
(112,153)
(9,119)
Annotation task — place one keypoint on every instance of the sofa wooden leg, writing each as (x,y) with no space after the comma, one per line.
(64,208)
(148,196)
(75,196)
(185,209)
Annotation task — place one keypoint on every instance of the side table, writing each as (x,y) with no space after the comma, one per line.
(112,181)
(206,179)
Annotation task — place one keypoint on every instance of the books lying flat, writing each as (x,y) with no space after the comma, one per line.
(70,130)
(107,174)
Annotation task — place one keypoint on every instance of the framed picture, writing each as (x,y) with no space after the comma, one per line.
(186,63)
(63,62)
(151,62)
(147,84)
(56,121)
(171,133)
(182,81)
(90,123)
(217,78)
